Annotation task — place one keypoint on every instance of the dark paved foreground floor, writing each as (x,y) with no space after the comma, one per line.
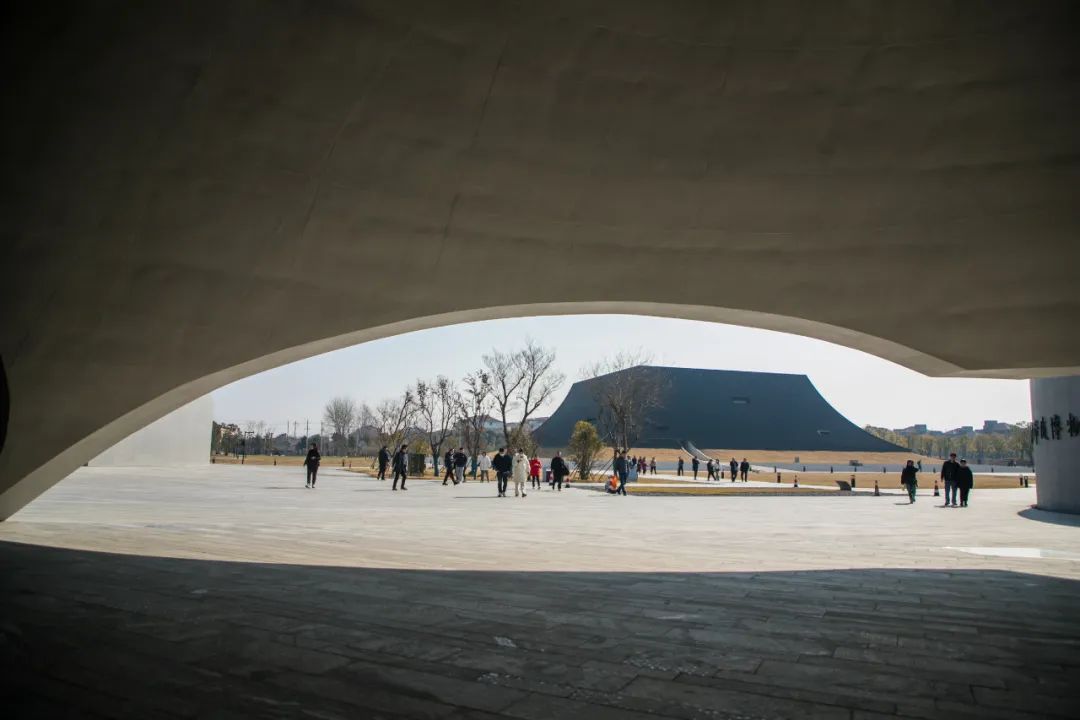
(96,635)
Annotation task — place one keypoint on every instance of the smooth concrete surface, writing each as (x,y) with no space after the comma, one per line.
(197,192)
(180,438)
(1057,460)
(264,514)
(233,592)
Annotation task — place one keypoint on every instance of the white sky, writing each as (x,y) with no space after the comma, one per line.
(866,389)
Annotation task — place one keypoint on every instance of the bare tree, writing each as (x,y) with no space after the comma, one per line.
(521,381)
(626,391)
(365,418)
(340,414)
(392,418)
(437,405)
(475,403)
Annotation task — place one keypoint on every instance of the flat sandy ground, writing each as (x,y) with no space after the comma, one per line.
(769,457)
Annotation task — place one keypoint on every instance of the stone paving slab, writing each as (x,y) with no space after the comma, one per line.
(450,604)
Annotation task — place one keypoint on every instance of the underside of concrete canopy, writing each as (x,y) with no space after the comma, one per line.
(196,192)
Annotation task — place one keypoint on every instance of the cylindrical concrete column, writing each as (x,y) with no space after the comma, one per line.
(1055,410)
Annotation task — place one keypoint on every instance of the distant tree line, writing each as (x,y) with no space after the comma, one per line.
(977,446)
(490,406)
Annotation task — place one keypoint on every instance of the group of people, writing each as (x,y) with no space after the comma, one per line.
(507,466)
(956,476)
(738,470)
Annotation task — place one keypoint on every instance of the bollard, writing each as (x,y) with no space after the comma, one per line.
(796,480)
(213,461)
(877,491)
(777,477)
(830,469)
(1021,481)
(937,493)
(853,482)
(275,462)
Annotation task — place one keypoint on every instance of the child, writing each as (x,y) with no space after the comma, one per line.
(534,472)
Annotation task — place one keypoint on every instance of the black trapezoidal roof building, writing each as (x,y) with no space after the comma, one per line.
(725,409)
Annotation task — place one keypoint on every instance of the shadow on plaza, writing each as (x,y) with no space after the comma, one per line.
(1034,513)
(89,633)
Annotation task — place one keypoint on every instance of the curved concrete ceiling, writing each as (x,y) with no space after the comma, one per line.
(200,190)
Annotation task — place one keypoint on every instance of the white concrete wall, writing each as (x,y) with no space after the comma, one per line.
(180,438)
(1057,462)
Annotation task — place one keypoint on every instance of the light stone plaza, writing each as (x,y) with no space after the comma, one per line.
(196,193)
(233,591)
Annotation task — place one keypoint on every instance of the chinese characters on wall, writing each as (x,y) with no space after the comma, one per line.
(1043,430)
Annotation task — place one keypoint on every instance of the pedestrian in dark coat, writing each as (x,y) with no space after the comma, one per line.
(311,462)
(949,469)
(622,471)
(448,462)
(965,480)
(744,470)
(503,464)
(384,460)
(559,470)
(401,465)
(694,465)
(680,467)
(734,470)
(460,461)
(908,478)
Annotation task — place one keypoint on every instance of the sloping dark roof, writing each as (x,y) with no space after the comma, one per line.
(727,409)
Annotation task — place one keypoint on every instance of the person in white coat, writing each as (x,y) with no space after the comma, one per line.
(485,468)
(521,472)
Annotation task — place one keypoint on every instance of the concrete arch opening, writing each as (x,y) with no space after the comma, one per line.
(112,430)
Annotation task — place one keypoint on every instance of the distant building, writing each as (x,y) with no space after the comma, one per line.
(726,409)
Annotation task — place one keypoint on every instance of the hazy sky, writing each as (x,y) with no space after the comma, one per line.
(864,388)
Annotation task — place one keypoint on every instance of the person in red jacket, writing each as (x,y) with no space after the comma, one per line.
(534,472)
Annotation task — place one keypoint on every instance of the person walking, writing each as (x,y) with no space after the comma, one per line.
(502,464)
(744,470)
(401,465)
(520,468)
(652,466)
(534,472)
(622,471)
(559,470)
(384,460)
(965,480)
(679,471)
(908,478)
(949,469)
(311,462)
(448,466)
(460,461)
(485,468)
(710,469)
(734,470)
(695,464)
